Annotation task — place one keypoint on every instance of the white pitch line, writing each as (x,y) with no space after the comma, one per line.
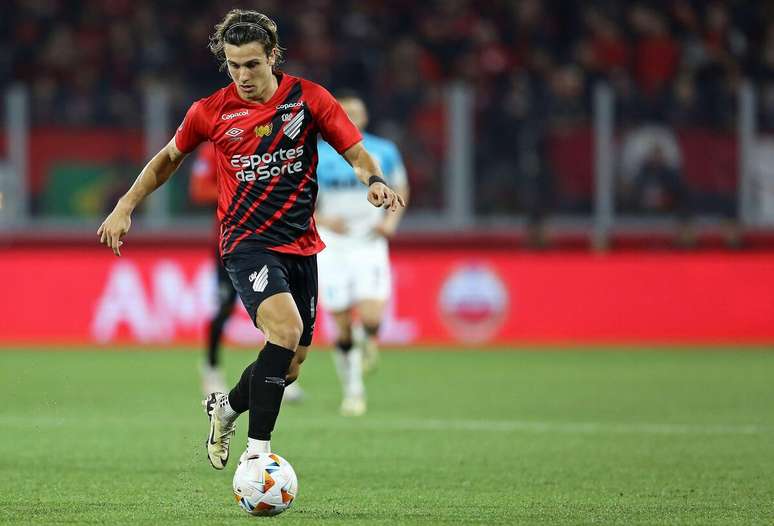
(509,426)
(399,424)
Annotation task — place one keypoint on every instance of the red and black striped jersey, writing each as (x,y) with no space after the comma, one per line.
(266,161)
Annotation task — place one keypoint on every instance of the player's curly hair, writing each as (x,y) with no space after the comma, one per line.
(241,26)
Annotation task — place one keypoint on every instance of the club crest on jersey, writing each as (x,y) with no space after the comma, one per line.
(264,130)
(293,126)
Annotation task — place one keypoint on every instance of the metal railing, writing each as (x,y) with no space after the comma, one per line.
(457,177)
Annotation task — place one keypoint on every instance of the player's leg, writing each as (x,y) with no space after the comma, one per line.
(337,277)
(261,278)
(303,284)
(372,289)
(371,312)
(281,322)
(295,365)
(213,379)
(349,366)
(287,319)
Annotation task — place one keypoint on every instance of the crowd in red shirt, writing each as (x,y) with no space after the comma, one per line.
(531,64)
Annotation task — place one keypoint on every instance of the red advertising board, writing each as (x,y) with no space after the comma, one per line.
(162,296)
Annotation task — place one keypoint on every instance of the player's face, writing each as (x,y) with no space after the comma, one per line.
(356,111)
(250,68)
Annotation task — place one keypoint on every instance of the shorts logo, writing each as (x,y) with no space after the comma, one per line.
(260,279)
(293,126)
(233,132)
(264,129)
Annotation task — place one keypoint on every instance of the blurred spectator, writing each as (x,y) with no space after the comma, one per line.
(531,63)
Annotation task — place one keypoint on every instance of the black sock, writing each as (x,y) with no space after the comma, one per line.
(216,331)
(239,397)
(371,330)
(344,346)
(267,383)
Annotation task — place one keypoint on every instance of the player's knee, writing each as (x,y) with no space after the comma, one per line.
(287,335)
(345,333)
(371,328)
(344,326)
(284,331)
(344,344)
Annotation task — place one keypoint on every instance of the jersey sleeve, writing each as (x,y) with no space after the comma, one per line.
(333,122)
(193,130)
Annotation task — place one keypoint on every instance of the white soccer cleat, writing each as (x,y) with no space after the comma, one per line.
(221,431)
(353,406)
(243,457)
(213,380)
(293,394)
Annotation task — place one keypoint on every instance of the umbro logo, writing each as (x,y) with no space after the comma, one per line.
(260,279)
(233,132)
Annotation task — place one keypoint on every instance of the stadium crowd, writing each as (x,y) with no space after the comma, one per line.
(532,64)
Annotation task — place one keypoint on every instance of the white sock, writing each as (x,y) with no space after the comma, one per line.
(355,387)
(255,446)
(229,415)
(341,359)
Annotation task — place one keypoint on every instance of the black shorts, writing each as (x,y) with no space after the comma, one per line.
(258,273)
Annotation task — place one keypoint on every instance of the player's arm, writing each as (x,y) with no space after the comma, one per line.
(369,173)
(333,223)
(156,172)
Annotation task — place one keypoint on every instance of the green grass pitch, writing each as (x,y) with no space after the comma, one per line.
(508,437)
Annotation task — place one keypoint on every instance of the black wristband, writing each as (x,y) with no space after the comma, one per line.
(376,179)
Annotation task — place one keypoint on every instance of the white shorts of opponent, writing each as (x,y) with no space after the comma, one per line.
(352,272)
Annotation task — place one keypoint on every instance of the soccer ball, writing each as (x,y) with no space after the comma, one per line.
(265,484)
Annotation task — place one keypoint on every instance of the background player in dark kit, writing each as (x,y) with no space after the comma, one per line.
(264,127)
(203,190)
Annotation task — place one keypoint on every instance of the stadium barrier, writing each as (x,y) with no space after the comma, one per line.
(165,296)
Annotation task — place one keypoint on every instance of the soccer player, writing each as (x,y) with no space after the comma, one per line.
(264,126)
(203,190)
(355,267)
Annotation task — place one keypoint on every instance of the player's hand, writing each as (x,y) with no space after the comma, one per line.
(381,195)
(337,225)
(114,227)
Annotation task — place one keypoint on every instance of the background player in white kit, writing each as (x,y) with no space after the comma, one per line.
(354,270)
